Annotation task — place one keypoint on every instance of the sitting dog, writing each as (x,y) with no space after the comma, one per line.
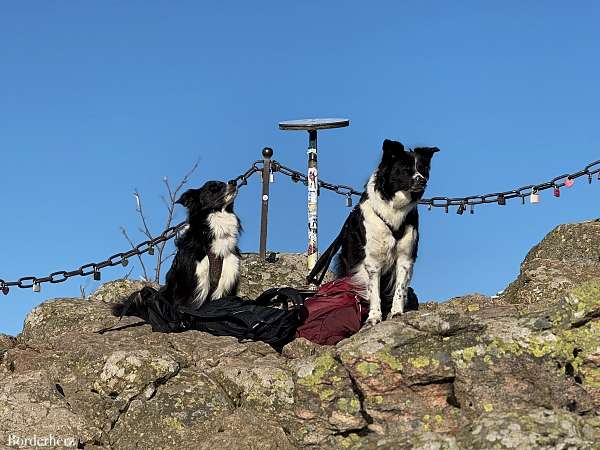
(207,262)
(379,239)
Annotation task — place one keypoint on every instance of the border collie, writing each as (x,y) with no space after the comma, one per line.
(379,239)
(207,262)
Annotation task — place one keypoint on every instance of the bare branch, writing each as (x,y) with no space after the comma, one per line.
(170,210)
(169,202)
(164,199)
(124,232)
(139,209)
(128,274)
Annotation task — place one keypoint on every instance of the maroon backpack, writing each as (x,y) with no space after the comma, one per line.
(335,312)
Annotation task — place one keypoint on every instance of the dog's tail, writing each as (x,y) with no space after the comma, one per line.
(136,304)
(150,305)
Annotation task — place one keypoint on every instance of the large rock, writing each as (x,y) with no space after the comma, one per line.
(280,269)
(520,371)
(567,256)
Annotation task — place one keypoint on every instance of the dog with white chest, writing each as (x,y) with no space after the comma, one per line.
(379,240)
(207,263)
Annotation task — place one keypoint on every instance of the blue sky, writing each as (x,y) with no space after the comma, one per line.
(100,98)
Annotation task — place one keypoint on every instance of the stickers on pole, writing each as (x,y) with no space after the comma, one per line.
(313,185)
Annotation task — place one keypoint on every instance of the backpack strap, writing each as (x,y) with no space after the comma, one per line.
(318,272)
(215,267)
(281,295)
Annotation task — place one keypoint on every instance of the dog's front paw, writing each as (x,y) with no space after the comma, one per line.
(393,314)
(373,319)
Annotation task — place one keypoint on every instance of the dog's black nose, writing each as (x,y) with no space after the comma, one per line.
(420,180)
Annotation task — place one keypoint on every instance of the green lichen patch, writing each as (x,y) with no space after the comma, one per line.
(367,369)
(323,365)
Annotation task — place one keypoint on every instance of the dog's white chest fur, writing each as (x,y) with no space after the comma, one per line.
(225,229)
(381,248)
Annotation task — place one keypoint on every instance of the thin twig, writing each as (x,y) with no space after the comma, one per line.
(124,231)
(128,274)
(139,209)
(145,228)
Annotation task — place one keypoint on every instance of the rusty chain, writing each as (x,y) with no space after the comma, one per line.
(591,170)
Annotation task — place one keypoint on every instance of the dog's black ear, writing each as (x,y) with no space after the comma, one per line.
(186,198)
(392,148)
(426,152)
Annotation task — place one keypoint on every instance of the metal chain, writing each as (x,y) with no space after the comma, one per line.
(461,202)
(500,198)
(116,259)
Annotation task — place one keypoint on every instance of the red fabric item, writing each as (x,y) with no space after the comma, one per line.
(335,312)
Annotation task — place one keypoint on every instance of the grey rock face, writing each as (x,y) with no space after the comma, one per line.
(521,371)
(288,269)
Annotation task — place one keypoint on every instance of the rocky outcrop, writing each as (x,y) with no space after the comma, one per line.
(518,371)
(280,269)
(567,256)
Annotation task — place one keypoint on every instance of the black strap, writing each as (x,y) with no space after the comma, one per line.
(282,295)
(318,272)
(215,267)
(396,233)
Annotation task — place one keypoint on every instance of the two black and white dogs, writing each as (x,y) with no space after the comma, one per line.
(378,242)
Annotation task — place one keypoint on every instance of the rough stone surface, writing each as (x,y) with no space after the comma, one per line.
(288,269)
(6,342)
(520,371)
(568,255)
(113,291)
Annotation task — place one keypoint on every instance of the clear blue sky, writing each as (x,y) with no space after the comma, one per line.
(100,98)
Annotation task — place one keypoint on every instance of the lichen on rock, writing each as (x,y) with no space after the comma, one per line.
(519,371)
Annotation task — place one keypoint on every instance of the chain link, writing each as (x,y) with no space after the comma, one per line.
(461,203)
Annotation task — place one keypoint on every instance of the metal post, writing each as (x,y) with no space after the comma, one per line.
(313,194)
(312,125)
(264,215)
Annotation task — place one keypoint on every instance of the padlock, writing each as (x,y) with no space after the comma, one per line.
(96,274)
(501,199)
(556,191)
(36,287)
(5,290)
(349,201)
(569,182)
(589,178)
(535,197)
(151,250)
(271,178)
(472,211)
(124,262)
(461,209)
